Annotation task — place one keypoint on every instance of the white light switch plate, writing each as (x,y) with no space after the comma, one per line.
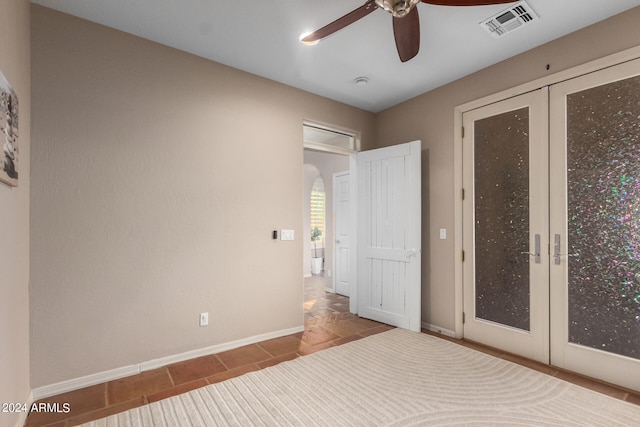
(286,234)
(443,234)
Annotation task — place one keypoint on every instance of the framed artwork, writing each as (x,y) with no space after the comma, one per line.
(8,133)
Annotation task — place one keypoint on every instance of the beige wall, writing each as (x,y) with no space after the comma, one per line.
(157,178)
(430,117)
(14,217)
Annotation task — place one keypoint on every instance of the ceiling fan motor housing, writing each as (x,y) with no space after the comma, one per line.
(398,8)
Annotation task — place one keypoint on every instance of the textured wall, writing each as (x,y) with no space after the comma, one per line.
(158,178)
(429,117)
(14,217)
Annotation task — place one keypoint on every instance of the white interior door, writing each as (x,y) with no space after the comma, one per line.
(505,225)
(341,254)
(595,224)
(388,230)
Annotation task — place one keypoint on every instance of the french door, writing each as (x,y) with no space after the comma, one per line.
(506,269)
(572,194)
(595,224)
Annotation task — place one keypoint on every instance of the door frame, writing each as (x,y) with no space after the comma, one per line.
(548,80)
(336,255)
(326,148)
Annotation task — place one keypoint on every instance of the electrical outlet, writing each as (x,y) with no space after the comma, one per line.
(204,319)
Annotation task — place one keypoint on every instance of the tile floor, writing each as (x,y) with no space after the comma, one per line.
(327,323)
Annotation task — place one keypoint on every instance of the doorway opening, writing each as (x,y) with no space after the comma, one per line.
(326,153)
(378,203)
(319,219)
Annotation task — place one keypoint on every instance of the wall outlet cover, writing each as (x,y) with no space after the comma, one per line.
(204,319)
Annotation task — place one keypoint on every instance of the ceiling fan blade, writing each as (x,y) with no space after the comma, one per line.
(466,2)
(340,23)
(406,31)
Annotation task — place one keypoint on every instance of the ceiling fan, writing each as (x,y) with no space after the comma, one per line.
(406,23)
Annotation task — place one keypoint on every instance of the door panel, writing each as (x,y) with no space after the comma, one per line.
(505,225)
(595,220)
(341,204)
(389,220)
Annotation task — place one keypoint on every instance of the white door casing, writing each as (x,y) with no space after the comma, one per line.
(389,234)
(341,254)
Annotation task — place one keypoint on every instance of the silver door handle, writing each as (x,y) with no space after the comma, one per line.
(337,241)
(556,250)
(536,253)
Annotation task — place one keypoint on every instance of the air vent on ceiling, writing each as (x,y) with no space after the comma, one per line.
(510,19)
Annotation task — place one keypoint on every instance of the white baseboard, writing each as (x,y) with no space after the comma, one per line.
(157,363)
(82,382)
(125,371)
(439,330)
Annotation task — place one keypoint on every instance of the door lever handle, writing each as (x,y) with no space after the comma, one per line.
(536,254)
(412,253)
(556,250)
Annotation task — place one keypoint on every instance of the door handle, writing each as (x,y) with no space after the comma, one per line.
(413,253)
(536,248)
(556,250)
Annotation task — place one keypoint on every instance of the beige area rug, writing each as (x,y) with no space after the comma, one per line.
(397,378)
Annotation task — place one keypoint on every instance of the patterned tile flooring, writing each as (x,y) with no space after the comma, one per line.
(327,323)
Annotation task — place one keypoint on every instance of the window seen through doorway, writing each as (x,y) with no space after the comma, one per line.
(318,212)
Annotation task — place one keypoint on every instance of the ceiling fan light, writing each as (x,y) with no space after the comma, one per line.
(398,8)
(308,43)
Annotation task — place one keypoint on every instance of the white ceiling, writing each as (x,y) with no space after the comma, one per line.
(261,37)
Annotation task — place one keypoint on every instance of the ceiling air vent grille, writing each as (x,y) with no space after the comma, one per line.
(510,19)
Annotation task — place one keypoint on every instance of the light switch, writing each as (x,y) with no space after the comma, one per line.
(286,234)
(443,234)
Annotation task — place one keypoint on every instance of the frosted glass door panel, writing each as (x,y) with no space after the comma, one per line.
(502,218)
(603,202)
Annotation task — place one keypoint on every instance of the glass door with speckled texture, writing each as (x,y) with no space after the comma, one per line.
(595,224)
(505,225)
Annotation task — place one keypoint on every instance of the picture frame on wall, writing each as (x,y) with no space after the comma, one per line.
(8,133)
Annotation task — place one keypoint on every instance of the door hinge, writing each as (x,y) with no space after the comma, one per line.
(462,132)
(463,318)
(462,193)
(462,256)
